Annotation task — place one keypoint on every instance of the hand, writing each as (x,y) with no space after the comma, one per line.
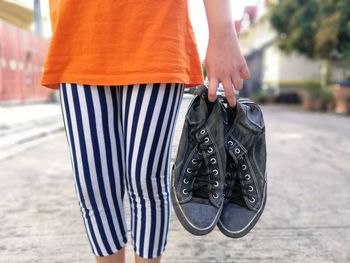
(225,63)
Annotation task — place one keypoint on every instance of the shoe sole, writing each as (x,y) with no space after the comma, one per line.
(248,228)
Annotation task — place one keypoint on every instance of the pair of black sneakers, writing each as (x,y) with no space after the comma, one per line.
(219,175)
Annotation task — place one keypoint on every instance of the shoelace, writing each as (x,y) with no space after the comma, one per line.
(202,174)
(235,190)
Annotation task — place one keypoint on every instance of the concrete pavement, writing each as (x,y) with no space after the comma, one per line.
(306,219)
(21,124)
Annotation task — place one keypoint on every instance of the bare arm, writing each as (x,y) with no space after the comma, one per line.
(224,60)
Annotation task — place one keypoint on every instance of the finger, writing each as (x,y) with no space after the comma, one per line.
(237,83)
(213,86)
(229,92)
(244,72)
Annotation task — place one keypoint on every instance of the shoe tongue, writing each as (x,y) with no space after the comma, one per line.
(232,189)
(201,184)
(239,200)
(230,118)
(236,195)
(231,115)
(210,106)
(197,113)
(200,194)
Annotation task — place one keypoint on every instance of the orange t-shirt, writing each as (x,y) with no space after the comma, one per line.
(119,42)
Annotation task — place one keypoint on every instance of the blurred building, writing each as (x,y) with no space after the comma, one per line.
(21,14)
(22,51)
(271,69)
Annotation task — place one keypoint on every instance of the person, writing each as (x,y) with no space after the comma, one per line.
(121,68)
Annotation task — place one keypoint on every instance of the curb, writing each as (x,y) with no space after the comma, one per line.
(19,143)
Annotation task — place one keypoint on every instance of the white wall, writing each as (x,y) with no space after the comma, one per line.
(278,67)
(271,64)
(295,67)
(257,36)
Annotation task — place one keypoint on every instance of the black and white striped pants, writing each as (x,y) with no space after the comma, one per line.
(120,138)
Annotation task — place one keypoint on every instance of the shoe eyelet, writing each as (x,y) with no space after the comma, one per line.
(252,200)
(230,142)
(184,192)
(227,174)
(237,151)
(232,165)
(213,160)
(247,177)
(202,131)
(215,195)
(250,188)
(241,158)
(194,161)
(206,139)
(244,167)
(215,172)
(186,181)
(216,184)
(189,170)
(210,150)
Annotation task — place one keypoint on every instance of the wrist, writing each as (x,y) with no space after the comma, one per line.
(222,36)
(222,29)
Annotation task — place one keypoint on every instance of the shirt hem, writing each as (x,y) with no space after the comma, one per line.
(53,81)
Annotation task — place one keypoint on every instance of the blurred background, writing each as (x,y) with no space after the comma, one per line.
(298,53)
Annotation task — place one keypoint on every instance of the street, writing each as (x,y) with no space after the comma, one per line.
(306,218)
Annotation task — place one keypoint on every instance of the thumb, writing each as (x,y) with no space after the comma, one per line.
(212,90)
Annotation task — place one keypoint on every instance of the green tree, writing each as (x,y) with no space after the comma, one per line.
(315,28)
(204,71)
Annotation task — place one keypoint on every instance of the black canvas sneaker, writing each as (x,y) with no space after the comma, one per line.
(198,172)
(245,177)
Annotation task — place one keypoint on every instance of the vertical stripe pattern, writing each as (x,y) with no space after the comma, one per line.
(120,139)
